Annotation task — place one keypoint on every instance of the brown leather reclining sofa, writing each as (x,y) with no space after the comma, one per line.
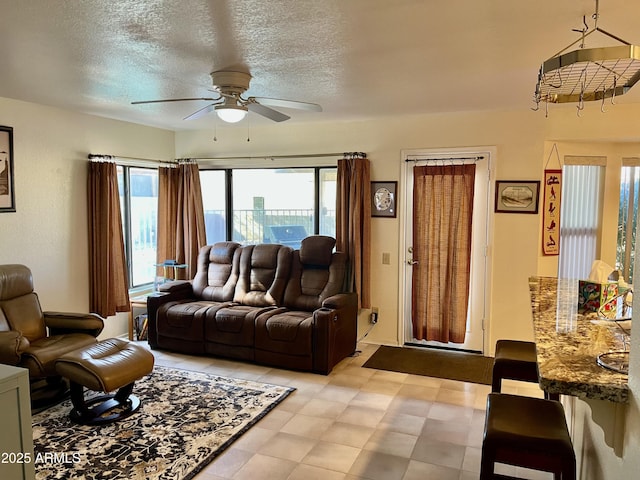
(264,303)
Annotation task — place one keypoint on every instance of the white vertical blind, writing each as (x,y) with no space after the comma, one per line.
(580,219)
(627,218)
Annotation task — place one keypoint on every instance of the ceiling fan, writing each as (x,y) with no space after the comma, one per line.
(231,107)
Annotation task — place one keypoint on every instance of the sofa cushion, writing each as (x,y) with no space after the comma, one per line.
(23,313)
(263,273)
(310,284)
(285,332)
(217,271)
(16,281)
(40,357)
(232,325)
(228,320)
(316,250)
(184,320)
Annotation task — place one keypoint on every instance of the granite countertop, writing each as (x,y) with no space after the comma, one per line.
(568,344)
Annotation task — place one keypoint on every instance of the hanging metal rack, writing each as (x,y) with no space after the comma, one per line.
(588,74)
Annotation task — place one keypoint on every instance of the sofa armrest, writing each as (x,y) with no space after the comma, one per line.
(335,331)
(341,301)
(175,291)
(12,344)
(62,322)
(177,287)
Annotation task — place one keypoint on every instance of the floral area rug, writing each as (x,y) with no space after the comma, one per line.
(186,419)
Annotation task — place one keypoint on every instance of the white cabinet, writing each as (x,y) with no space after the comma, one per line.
(16,439)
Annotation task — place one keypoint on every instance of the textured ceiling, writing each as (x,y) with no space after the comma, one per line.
(357,58)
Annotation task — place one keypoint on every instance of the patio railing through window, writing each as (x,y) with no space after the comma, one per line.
(284,226)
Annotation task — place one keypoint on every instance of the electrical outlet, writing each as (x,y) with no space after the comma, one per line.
(373,318)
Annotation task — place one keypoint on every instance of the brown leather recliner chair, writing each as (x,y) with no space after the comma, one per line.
(31,338)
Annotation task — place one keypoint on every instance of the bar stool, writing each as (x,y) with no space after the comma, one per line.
(516,360)
(526,432)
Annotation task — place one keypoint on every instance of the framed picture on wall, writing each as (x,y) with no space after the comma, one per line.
(517,196)
(7,196)
(383,199)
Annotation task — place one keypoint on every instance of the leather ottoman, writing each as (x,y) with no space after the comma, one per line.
(107,366)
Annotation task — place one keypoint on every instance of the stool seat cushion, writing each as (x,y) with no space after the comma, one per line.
(515,360)
(107,365)
(516,351)
(527,424)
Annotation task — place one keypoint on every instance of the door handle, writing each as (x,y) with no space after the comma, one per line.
(411,261)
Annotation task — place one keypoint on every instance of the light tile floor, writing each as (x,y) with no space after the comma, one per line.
(357,423)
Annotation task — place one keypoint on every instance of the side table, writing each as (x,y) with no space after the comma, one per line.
(170,269)
(139,301)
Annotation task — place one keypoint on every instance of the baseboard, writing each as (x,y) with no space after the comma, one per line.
(438,347)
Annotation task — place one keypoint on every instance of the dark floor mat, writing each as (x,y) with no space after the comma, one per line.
(462,366)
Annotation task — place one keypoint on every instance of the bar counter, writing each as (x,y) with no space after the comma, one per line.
(568,344)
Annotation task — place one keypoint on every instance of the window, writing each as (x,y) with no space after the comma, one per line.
(580,216)
(627,216)
(268,205)
(214,199)
(274,205)
(328,181)
(139,207)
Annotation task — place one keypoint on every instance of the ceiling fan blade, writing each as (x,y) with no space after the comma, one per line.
(278,102)
(176,100)
(267,112)
(202,112)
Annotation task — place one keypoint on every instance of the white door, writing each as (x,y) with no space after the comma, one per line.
(480,275)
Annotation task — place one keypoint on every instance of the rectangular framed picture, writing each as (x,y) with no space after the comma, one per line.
(384,199)
(7,196)
(517,196)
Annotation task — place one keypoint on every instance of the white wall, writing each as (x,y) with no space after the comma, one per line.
(48,231)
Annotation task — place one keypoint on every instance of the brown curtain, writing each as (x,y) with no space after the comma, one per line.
(168,182)
(442,213)
(353,223)
(181,228)
(108,279)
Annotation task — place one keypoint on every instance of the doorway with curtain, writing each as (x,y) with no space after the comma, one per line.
(446,276)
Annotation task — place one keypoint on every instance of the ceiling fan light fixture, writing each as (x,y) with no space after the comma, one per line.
(232,107)
(231,114)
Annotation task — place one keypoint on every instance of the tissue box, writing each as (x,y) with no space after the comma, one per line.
(593,295)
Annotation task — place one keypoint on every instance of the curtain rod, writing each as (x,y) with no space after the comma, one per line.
(94,156)
(270,157)
(437,159)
